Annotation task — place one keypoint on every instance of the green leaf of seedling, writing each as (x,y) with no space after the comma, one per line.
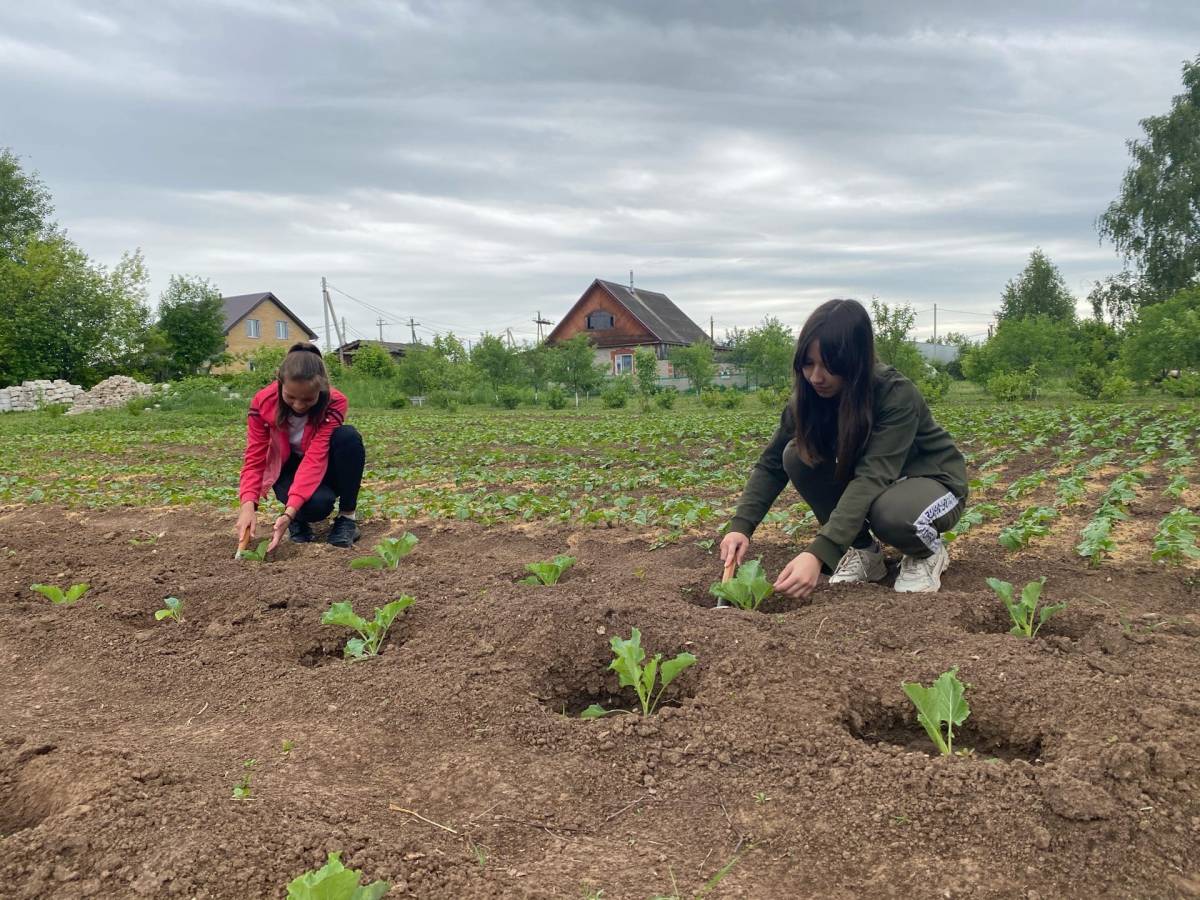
(333,881)
(392,550)
(532,579)
(628,658)
(646,688)
(356,648)
(1031,593)
(76,591)
(258,554)
(550,572)
(161,614)
(672,667)
(342,613)
(385,616)
(943,703)
(367,562)
(747,589)
(595,711)
(53,593)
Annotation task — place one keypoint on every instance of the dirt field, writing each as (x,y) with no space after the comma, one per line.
(788,759)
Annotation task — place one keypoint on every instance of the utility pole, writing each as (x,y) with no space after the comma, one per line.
(330,314)
(325,308)
(631,281)
(380,324)
(539,322)
(412,327)
(710,330)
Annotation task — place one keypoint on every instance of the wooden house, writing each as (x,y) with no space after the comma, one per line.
(620,320)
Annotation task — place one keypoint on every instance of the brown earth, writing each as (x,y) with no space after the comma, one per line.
(447,766)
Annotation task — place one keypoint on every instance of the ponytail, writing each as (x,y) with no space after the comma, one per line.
(303,362)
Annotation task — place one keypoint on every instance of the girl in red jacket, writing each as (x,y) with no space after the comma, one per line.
(298,445)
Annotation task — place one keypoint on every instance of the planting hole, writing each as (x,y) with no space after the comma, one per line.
(878,724)
(30,794)
(994,619)
(571,686)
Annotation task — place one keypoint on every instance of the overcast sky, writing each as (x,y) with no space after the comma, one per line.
(472,163)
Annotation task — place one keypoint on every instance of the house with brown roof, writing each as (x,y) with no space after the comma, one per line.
(254,321)
(619,319)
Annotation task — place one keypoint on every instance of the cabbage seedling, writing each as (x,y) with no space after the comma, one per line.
(627,663)
(747,589)
(258,554)
(372,633)
(548,572)
(1022,611)
(941,704)
(333,881)
(172,609)
(58,596)
(388,553)
(241,790)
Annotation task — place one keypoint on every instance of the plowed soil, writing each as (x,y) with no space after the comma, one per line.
(788,759)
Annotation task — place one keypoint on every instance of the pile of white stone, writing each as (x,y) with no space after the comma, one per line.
(115,391)
(31,395)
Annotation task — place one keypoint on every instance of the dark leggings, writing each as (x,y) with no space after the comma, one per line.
(343,475)
(909,515)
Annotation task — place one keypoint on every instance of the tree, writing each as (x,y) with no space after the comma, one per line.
(192,317)
(1120,297)
(1038,291)
(496,362)
(697,364)
(536,362)
(575,365)
(645,364)
(373,361)
(766,353)
(64,316)
(892,344)
(1018,343)
(1155,221)
(1166,336)
(25,207)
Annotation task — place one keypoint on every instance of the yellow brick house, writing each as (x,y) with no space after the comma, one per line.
(255,321)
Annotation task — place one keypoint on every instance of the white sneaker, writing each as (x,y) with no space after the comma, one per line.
(860,565)
(922,575)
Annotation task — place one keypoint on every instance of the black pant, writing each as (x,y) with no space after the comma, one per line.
(343,475)
(909,515)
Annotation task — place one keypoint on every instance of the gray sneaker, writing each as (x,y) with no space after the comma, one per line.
(923,575)
(860,565)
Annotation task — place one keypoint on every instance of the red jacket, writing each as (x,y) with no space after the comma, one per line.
(267,447)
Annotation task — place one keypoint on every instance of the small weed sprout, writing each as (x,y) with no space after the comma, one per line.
(941,704)
(288,745)
(1022,611)
(333,881)
(371,633)
(548,572)
(58,596)
(258,554)
(628,656)
(241,790)
(172,609)
(388,553)
(747,589)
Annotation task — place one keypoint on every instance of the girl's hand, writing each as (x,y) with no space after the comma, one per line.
(247,523)
(734,547)
(799,577)
(279,529)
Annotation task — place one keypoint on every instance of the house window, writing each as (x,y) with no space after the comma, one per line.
(281,330)
(252,328)
(598,321)
(623,363)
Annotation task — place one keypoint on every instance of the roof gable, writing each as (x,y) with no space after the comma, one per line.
(240,306)
(665,321)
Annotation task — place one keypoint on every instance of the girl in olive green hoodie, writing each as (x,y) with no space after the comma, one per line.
(860,445)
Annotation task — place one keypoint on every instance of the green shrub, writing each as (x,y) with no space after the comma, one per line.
(447,400)
(556,398)
(616,393)
(731,399)
(666,399)
(1186,385)
(1115,387)
(1011,386)
(935,385)
(373,360)
(1088,381)
(710,399)
(509,396)
(773,398)
(398,402)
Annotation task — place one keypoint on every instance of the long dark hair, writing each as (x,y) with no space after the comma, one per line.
(840,426)
(302,363)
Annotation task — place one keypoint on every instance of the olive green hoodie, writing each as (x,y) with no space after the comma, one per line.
(905,441)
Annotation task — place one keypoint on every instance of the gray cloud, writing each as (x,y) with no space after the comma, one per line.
(470,163)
